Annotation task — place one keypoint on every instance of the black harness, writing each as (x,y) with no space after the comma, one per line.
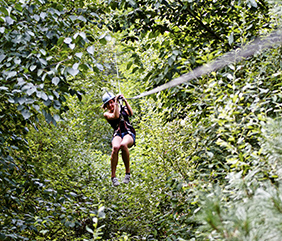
(122,124)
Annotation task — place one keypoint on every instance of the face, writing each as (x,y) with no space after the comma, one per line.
(111,105)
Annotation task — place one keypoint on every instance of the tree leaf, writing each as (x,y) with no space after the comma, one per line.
(101,212)
(47,102)
(44,231)
(32,67)
(19,7)
(43,51)
(48,117)
(79,55)
(95,220)
(4,88)
(21,100)
(42,95)
(100,67)
(56,94)
(55,80)
(4,10)
(57,104)
(90,49)
(73,17)
(9,20)
(72,71)
(108,38)
(103,41)
(71,224)
(57,117)
(26,114)
(82,18)
(2,56)
(83,35)
(75,66)
(31,90)
(11,74)
(89,230)
(43,15)
(72,46)
(253,3)
(230,39)
(17,61)
(68,40)
(43,61)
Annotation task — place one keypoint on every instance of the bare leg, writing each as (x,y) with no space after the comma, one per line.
(116,143)
(127,142)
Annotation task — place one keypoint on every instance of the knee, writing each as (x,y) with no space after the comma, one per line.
(123,147)
(115,149)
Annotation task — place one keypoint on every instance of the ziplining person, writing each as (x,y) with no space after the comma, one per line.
(124,133)
(124,140)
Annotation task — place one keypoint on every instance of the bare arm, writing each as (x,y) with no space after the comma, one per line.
(115,114)
(128,107)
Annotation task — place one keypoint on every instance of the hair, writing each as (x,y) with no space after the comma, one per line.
(104,106)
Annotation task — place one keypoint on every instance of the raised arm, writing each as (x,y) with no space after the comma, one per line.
(128,107)
(111,115)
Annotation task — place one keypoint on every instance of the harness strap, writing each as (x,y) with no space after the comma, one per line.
(126,124)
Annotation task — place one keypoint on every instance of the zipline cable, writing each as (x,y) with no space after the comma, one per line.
(117,72)
(120,100)
(259,44)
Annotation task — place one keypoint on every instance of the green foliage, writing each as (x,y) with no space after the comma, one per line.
(184,35)
(42,56)
(207,164)
(249,208)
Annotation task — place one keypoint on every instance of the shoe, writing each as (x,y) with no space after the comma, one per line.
(126,178)
(115,181)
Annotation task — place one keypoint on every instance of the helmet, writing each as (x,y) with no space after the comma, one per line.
(107,97)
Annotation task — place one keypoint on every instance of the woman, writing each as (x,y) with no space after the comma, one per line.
(124,133)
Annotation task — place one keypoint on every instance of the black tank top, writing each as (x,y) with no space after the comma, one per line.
(122,124)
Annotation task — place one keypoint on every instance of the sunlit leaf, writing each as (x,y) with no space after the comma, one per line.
(32,67)
(55,80)
(4,88)
(72,46)
(230,39)
(254,3)
(31,90)
(26,114)
(82,18)
(101,212)
(83,35)
(100,67)
(43,51)
(72,71)
(2,56)
(89,229)
(79,55)
(67,40)
(108,37)
(90,50)
(9,20)
(75,66)
(42,95)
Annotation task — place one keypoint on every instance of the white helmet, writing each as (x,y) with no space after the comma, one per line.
(107,97)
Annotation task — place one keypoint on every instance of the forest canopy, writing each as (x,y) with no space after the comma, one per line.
(207,160)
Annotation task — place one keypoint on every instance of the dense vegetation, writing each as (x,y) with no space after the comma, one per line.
(207,164)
